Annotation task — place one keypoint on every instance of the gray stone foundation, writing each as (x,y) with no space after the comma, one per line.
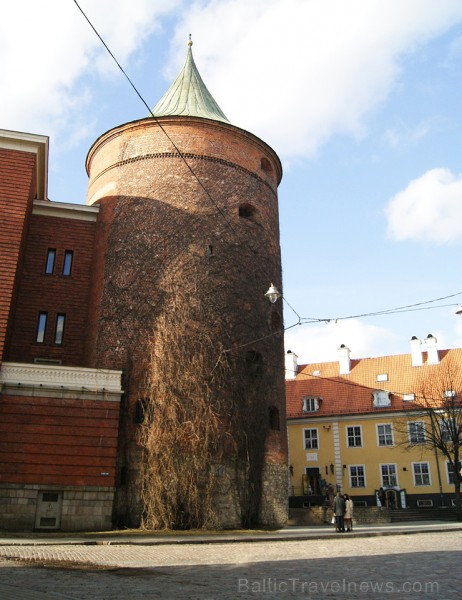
(321,515)
(76,508)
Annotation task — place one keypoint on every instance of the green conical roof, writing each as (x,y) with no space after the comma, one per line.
(188,95)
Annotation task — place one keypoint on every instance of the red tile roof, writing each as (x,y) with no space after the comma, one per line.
(352,393)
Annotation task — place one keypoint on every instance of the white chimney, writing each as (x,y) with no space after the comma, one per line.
(433,357)
(416,352)
(344,360)
(291,365)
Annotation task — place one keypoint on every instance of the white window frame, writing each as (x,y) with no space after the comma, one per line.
(448,474)
(392,485)
(445,431)
(348,436)
(351,476)
(386,445)
(311,439)
(310,404)
(414,474)
(381,398)
(420,441)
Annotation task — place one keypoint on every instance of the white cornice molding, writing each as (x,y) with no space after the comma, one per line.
(30,142)
(377,414)
(57,378)
(63,210)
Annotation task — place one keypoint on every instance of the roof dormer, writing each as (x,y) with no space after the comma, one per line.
(381,398)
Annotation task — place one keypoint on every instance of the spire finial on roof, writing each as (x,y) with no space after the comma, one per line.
(188,95)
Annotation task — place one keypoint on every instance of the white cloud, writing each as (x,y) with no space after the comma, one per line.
(46,46)
(403,136)
(320,343)
(296,72)
(429,209)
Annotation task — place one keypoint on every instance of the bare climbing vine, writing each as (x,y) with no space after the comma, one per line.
(203,433)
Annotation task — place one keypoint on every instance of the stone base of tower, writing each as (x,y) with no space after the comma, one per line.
(275,497)
(273,504)
(229,504)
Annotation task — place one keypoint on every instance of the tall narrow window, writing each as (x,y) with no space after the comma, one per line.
(417,432)
(357,476)
(274,418)
(67,265)
(354,437)
(59,330)
(41,327)
(254,363)
(389,475)
(50,264)
(311,439)
(450,473)
(385,435)
(421,473)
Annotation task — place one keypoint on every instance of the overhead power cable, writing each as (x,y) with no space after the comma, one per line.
(180,154)
(388,311)
(301,320)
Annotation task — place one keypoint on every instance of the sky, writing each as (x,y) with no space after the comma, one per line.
(359,98)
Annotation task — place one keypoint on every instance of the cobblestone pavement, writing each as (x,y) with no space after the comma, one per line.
(422,566)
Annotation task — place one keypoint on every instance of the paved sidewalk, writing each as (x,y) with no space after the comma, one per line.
(292,533)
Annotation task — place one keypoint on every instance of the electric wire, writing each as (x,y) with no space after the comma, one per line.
(301,320)
(180,154)
(406,308)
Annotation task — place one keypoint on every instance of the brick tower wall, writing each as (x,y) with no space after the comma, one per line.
(159,231)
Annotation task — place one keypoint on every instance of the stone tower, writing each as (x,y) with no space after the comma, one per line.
(188,246)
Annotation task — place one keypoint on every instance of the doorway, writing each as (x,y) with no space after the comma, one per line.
(312,481)
(391,499)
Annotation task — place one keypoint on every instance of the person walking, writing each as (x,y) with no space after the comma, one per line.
(339,512)
(348,517)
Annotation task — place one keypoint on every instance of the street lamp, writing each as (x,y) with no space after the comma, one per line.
(273,294)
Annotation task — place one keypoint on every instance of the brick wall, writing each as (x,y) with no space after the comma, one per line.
(54,293)
(46,441)
(17,190)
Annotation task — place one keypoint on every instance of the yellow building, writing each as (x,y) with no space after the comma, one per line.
(357,425)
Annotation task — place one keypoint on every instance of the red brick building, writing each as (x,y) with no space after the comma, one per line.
(58,417)
(183,203)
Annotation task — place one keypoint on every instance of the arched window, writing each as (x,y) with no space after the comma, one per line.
(274,422)
(141,408)
(276,322)
(266,165)
(254,363)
